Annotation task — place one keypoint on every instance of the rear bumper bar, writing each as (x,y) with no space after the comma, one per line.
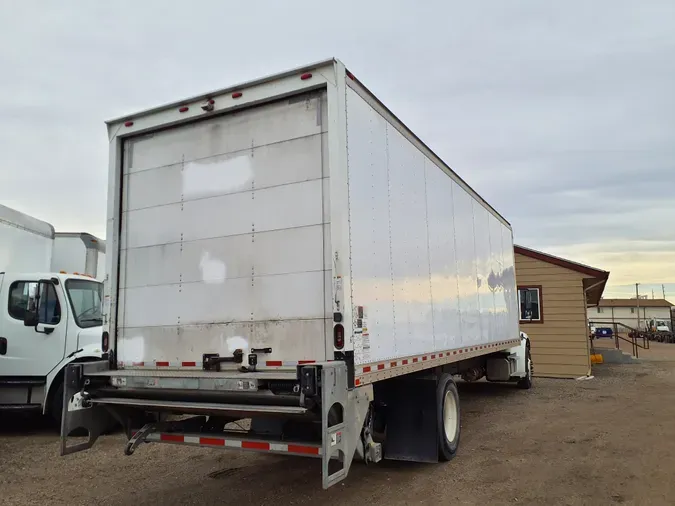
(158,433)
(244,410)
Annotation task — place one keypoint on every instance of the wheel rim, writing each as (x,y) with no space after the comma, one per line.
(450,421)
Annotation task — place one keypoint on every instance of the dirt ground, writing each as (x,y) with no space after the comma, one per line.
(609,440)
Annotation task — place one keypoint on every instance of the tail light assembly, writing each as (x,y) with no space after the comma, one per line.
(338,336)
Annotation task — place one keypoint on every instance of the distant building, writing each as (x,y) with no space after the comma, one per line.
(630,311)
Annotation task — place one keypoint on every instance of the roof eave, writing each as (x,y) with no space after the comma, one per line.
(561,262)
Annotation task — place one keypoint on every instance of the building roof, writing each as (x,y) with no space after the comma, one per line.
(561,262)
(634,303)
(594,279)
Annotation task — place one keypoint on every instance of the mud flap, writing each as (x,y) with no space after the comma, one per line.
(412,421)
(78,415)
(340,441)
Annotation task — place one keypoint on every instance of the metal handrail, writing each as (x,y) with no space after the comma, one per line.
(633,336)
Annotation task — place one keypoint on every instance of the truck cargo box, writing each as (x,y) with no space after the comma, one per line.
(79,252)
(264,220)
(25,242)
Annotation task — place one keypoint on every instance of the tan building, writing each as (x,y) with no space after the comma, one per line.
(553,294)
(633,313)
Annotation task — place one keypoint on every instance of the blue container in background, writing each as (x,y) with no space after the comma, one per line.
(603,332)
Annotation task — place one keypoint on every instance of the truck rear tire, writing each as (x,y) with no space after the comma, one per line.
(449,426)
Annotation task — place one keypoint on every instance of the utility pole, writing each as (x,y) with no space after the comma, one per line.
(637,301)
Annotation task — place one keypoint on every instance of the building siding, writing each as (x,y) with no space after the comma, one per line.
(560,346)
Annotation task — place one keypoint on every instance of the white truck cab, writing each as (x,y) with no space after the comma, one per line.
(655,325)
(47,319)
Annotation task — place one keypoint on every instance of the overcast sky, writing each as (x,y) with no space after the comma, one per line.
(561,114)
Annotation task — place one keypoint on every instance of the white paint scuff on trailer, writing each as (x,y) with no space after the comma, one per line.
(213,270)
(205,178)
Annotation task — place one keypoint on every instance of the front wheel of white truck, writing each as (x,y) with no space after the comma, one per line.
(526,382)
(55,405)
(449,426)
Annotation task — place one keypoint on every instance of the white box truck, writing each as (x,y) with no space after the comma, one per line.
(79,252)
(49,318)
(287,251)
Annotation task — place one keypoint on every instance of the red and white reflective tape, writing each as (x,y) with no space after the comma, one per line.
(283,363)
(198,365)
(441,356)
(160,364)
(241,444)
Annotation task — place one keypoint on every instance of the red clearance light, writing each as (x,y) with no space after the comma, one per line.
(350,75)
(339,336)
(211,101)
(129,123)
(104,341)
(184,109)
(306,76)
(237,94)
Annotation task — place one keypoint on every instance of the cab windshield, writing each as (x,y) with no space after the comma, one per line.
(85,299)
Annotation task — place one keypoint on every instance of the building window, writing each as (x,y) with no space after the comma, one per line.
(529,300)
(601,310)
(632,310)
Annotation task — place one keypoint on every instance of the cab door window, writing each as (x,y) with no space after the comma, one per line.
(23,296)
(49,310)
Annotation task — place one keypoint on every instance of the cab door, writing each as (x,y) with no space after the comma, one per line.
(31,352)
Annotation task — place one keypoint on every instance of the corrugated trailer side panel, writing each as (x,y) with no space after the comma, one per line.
(508,281)
(431,266)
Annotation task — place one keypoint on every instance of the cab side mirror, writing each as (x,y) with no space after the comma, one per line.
(31,319)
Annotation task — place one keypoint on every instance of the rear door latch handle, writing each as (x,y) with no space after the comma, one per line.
(3,345)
